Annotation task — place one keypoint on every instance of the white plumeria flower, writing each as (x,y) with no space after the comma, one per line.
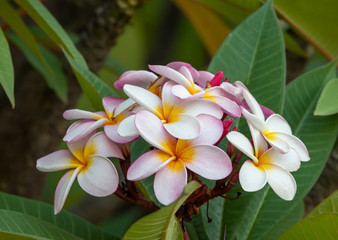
(187,89)
(116,109)
(265,165)
(88,160)
(173,156)
(178,117)
(275,129)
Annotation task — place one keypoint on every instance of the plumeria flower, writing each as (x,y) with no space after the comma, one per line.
(173,156)
(265,165)
(178,117)
(115,112)
(88,160)
(187,89)
(275,129)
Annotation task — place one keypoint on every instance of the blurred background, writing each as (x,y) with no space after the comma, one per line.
(119,35)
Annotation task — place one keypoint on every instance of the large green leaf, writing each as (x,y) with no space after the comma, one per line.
(55,80)
(161,224)
(315,20)
(20,210)
(6,69)
(93,87)
(328,101)
(329,205)
(254,54)
(10,15)
(36,10)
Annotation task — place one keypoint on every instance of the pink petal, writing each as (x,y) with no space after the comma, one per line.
(208,161)
(127,127)
(289,161)
(128,103)
(297,145)
(110,103)
(147,164)
(145,98)
(282,182)
(183,126)
(63,188)
(151,129)
(253,104)
(77,147)
(112,134)
(73,114)
(177,65)
(203,78)
(251,177)
(233,90)
(229,107)
(254,120)
(59,160)
(81,129)
(186,73)
(169,182)
(200,106)
(100,144)
(100,178)
(242,143)
(276,123)
(211,130)
(137,78)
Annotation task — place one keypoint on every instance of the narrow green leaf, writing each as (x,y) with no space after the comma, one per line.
(328,100)
(42,213)
(6,69)
(323,226)
(57,81)
(329,205)
(36,10)
(10,15)
(161,224)
(93,87)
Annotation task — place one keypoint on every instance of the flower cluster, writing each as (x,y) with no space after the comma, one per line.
(184,114)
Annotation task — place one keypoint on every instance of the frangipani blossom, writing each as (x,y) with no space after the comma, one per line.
(187,89)
(265,165)
(115,112)
(88,160)
(173,156)
(178,117)
(275,129)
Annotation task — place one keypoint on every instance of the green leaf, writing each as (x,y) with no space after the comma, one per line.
(93,87)
(254,54)
(57,80)
(161,224)
(315,20)
(36,10)
(21,210)
(6,69)
(10,15)
(328,101)
(292,45)
(329,205)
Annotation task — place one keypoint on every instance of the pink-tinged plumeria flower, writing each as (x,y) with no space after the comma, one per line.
(88,160)
(265,165)
(173,156)
(187,89)
(115,112)
(178,117)
(139,78)
(275,129)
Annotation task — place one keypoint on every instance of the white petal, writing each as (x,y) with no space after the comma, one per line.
(254,120)
(200,106)
(296,144)
(242,143)
(110,103)
(182,93)
(259,142)
(127,127)
(276,141)
(59,160)
(276,123)
(82,128)
(151,129)
(184,126)
(203,78)
(124,106)
(145,98)
(282,182)
(289,161)
(169,182)
(230,88)
(77,147)
(63,188)
(208,161)
(253,104)
(186,73)
(169,100)
(73,114)
(112,134)
(100,178)
(138,78)
(251,177)
(147,164)
(229,107)
(100,144)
